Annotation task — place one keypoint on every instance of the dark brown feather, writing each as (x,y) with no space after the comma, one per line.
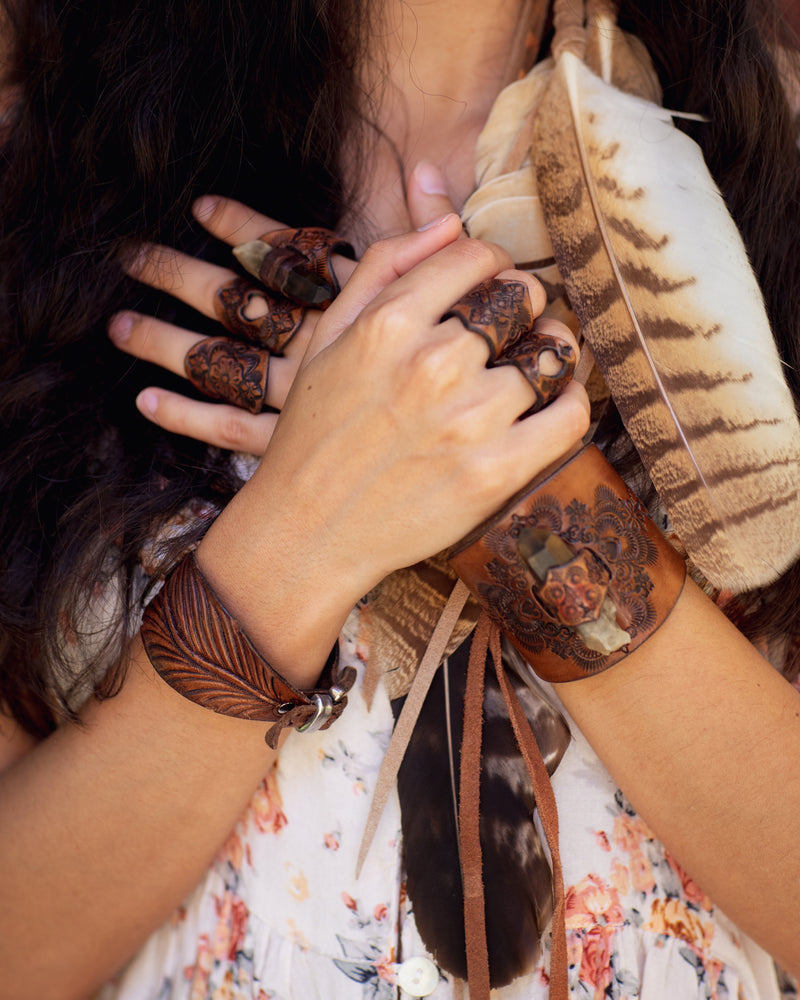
(517,876)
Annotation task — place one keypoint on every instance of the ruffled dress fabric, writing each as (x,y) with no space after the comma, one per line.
(280,915)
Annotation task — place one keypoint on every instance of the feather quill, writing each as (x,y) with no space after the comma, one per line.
(517,876)
(656,271)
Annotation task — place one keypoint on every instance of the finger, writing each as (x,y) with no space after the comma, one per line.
(428,199)
(422,272)
(214,423)
(192,281)
(235,223)
(545,437)
(163,344)
(549,327)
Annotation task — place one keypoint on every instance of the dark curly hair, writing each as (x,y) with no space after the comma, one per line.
(122,115)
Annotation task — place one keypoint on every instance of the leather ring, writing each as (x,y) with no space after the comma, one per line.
(273,330)
(526,355)
(499,310)
(229,370)
(296,263)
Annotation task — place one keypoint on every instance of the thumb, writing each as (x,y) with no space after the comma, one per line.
(428,199)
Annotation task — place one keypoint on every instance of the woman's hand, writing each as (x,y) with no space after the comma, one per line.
(395,437)
(196,283)
(395,440)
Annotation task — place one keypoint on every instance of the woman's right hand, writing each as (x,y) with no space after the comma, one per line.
(395,440)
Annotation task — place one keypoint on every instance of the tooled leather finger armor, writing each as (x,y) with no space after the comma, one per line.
(526,355)
(296,263)
(500,311)
(273,330)
(230,371)
(573,570)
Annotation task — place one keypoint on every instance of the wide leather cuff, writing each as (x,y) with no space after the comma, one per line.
(573,570)
(199,649)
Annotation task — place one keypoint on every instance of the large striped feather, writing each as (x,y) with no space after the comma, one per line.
(658,276)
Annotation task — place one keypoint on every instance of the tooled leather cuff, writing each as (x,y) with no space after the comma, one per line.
(199,649)
(573,570)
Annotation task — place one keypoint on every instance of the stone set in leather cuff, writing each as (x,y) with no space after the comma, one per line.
(201,652)
(573,570)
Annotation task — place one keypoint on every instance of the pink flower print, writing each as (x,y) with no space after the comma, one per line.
(232,851)
(349,902)
(620,878)
(232,919)
(629,831)
(642,873)
(691,889)
(384,966)
(331,841)
(592,902)
(201,970)
(602,840)
(596,960)
(381,911)
(574,949)
(267,805)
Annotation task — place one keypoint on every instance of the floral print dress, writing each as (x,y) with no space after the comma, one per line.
(280,914)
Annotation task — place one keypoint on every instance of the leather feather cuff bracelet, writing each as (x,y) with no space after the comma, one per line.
(199,649)
(573,570)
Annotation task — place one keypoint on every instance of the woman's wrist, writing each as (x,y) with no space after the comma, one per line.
(274,582)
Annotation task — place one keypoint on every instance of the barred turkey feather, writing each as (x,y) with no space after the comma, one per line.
(656,271)
(517,876)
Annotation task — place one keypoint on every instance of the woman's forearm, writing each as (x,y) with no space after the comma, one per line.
(105,828)
(703,736)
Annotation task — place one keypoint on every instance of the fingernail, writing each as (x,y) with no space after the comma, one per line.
(436,222)
(147,402)
(119,329)
(204,207)
(429,178)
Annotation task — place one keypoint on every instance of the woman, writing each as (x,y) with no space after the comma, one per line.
(116,126)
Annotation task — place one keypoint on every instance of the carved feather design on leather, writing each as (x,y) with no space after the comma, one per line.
(516,870)
(657,274)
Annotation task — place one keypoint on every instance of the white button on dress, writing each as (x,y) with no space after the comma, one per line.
(418,977)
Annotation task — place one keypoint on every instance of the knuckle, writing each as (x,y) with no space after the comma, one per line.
(377,253)
(389,321)
(435,366)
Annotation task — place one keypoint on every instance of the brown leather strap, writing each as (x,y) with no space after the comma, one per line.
(487,638)
(548,814)
(273,330)
(469,817)
(229,370)
(199,649)
(573,570)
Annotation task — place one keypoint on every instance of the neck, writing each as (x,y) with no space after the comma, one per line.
(430,76)
(454,55)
